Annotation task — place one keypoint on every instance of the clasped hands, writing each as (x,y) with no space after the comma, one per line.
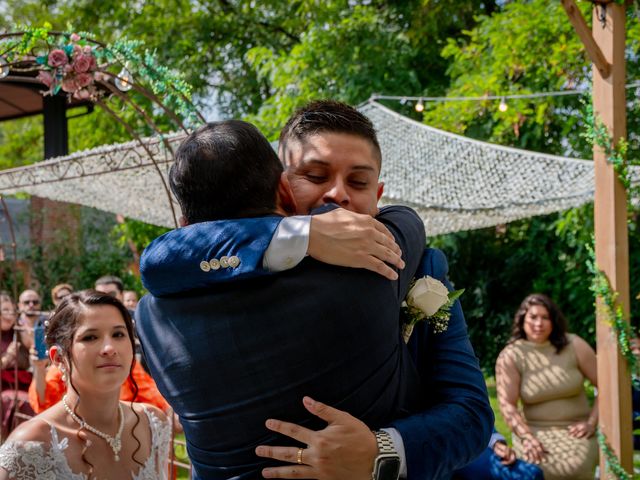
(345,448)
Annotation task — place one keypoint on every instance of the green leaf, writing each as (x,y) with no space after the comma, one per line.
(453,296)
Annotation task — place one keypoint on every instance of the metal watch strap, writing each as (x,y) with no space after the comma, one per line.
(387,464)
(385,442)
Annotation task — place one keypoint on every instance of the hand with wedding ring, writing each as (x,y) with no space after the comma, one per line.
(345,448)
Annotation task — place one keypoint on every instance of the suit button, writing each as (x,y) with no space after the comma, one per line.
(204,266)
(214,263)
(224,261)
(233,261)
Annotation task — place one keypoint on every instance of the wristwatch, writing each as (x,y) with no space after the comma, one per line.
(386,466)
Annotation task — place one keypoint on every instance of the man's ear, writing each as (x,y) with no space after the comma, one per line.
(380,189)
(286,200)
(182,221)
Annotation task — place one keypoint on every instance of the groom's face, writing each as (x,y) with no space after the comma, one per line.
(335,168)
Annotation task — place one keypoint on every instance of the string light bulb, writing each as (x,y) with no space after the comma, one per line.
(4,67)
(124,82)
(419,106)
(503,107)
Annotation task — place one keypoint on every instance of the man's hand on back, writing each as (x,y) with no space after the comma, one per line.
(345,448)
(348,239)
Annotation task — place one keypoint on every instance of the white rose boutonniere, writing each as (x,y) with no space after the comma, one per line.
(428,299)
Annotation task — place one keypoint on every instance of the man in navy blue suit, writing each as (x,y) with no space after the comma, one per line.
(329,163)
(229,357)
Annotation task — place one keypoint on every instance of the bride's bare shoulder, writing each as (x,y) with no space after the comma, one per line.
(34,430)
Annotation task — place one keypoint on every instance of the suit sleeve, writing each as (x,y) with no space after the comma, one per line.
(180,260)
(457,422)
(408,230)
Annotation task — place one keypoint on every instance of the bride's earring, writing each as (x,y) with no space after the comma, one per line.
(63,369)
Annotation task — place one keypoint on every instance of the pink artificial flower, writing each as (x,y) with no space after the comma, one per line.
(82,94)
(82,63)
(77,50)
(100,77)
(46,78)
(87,49)
(69,85)
(94,63)
(67,68)
(84,79)
(75,37)
(57,58)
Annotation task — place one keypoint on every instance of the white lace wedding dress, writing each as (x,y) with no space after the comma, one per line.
(37,460)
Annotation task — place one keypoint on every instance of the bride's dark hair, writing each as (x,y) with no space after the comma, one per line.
(61,329)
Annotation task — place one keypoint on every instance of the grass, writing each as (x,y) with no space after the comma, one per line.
(500,424)
(181,455)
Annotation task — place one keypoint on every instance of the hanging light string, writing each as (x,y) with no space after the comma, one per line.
(502,98)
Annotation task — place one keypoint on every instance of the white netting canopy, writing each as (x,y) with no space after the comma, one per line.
(455,183)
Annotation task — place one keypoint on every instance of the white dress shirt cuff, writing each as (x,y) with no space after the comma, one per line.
(496,437)
(399,446)
(288,245)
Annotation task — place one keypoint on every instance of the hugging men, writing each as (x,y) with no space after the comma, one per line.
(230,356)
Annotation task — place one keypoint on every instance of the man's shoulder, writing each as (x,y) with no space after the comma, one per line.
(207,232)
(434,263)
(399,211)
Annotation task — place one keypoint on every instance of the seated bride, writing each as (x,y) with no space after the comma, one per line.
(90,433)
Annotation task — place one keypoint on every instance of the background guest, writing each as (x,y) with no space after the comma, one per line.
(60,291)
(29,306)
(111,285)
(498,462)
(545,367)
(130,299)
(14,362)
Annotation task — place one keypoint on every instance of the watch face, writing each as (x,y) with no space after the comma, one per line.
(388,468)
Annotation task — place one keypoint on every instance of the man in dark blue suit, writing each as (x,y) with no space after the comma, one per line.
(328,163)
(229,357)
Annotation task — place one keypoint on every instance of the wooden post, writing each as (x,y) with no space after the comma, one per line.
(612,245)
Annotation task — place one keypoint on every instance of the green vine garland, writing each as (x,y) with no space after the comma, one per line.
(611,460)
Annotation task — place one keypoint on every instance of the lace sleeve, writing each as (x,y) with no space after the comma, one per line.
(28,460)
(161,442)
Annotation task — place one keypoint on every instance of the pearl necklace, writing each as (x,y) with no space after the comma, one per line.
(114,442)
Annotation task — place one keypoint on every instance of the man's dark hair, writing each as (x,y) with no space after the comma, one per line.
(327,116)
(225,170)
(108,279)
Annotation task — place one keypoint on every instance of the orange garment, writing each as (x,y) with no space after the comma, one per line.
(55,390)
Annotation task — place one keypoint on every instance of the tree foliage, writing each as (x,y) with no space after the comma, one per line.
(261,60)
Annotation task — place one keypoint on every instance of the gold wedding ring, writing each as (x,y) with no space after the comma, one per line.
(299,460)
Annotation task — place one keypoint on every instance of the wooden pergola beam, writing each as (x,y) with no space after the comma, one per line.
(611,234)
(584,32)
(605,44)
